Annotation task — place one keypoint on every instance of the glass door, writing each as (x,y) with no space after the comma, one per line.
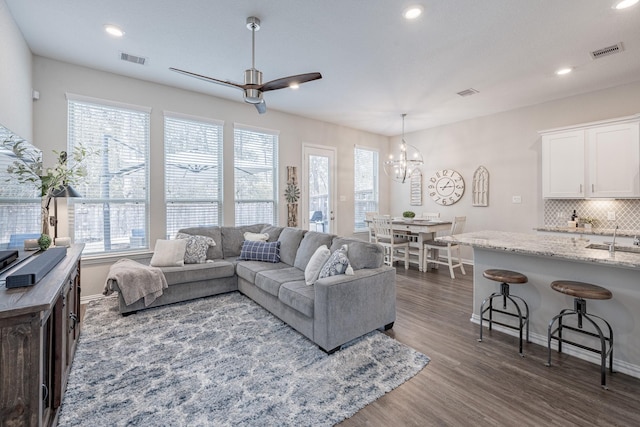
(318,188)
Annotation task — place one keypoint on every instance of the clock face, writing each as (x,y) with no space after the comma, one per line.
(446,187)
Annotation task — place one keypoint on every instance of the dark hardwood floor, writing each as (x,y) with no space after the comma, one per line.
(488,383)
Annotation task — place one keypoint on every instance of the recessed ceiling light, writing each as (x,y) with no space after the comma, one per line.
(412,12)
(563,71)
(623,4)
(114,30)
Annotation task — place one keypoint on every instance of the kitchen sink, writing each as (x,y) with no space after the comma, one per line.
(630,249)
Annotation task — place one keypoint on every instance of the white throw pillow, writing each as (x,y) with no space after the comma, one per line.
(256,237)
(169,253)
(318,259)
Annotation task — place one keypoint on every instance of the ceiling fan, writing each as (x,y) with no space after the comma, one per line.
(253,86)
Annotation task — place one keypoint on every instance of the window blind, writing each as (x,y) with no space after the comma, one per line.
(20,204)
(193,172)
(365,184)
(112,215)
(255,162)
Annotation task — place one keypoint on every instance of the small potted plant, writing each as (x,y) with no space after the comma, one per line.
(587,222)
(408,215)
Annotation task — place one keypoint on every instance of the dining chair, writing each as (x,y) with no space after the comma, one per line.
(368,216)
(431,215)
(432,248)
(384,235)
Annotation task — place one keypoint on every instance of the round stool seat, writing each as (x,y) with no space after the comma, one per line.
(581,289)
(505,276)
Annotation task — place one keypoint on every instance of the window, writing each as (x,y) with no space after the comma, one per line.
(365,184)
(20,203)
(255,161)
(112,215)
(192,172)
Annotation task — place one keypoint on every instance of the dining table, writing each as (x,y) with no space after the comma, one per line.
(418,230)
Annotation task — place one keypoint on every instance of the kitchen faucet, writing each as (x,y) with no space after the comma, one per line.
(612,246)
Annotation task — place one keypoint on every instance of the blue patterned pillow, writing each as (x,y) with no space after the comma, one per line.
(260,251)
(338,263)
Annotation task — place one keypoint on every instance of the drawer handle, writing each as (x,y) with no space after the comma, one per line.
(74,320)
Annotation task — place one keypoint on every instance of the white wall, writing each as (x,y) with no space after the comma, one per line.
(508,145)
(53,79)
(15,77)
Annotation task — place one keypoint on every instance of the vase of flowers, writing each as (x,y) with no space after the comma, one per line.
(28,169)
(587,222)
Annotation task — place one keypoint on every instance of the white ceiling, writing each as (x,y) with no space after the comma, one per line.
(375,64)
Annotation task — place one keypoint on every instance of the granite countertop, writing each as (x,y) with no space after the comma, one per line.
(569,248)
(594,231)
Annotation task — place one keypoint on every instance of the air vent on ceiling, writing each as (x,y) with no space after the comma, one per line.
(468,92)
(605,51)
(132,58)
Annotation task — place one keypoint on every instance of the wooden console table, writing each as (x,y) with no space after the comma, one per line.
(39,329)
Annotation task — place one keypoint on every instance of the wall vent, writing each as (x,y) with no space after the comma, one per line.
(605,51)
(468,92)
(132,58)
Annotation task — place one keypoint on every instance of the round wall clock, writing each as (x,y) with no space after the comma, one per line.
(446,187)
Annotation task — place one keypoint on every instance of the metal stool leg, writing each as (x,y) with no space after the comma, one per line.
(580,311)
(523,320)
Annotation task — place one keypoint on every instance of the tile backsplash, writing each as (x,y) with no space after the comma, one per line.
(627,212)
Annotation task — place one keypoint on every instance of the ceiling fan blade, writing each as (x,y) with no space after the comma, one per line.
(261,107)
(286,81)
(209,79)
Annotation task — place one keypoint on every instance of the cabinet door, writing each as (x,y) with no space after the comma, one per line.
(563,160)
(614,161)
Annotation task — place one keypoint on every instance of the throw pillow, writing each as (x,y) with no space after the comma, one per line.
(338,263)
(169,253)
(317,261)
(260,251)
(197,247)
(257,237)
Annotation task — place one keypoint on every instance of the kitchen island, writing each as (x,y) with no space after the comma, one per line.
(543,259)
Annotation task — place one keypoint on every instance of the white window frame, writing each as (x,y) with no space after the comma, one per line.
(376,188)
(242,168)
(213,158)
(128,241)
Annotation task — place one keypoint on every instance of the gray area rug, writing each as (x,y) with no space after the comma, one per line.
(219,361)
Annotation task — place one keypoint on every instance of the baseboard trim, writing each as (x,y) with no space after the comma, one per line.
(618,366)
(87,298)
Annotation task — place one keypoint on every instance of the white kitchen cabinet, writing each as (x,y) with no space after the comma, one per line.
(563,165)
(614,160)
(592,160)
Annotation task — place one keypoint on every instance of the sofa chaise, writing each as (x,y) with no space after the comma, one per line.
(331,312)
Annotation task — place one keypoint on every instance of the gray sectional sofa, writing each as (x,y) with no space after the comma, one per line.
(331,312)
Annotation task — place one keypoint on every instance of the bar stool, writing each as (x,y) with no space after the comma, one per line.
(505,277)
(581,291)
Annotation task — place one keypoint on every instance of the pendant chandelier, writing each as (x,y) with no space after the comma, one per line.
(402,163)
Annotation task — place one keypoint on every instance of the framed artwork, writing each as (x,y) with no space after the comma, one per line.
(415,184)
(481,187)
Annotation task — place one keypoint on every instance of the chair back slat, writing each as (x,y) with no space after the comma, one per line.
(457,226)
(382,227)
(431,215)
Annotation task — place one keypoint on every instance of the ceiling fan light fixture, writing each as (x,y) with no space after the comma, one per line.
(624,4)
(113,30)
(294,85)
(412,12)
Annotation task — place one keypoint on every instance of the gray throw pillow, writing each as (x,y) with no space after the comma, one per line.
(197,247)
